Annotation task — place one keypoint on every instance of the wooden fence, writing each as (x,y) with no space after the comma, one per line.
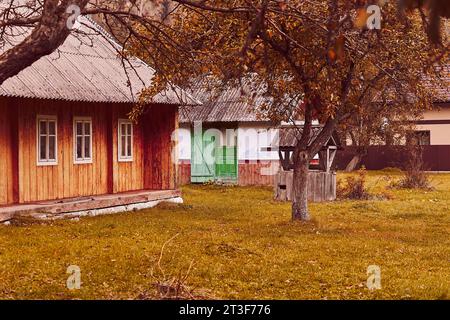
(436,158)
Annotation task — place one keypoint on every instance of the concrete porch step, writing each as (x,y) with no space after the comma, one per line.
(85,204)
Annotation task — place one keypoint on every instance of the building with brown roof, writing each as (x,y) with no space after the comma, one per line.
(229,139)
(226,139)
(434,127)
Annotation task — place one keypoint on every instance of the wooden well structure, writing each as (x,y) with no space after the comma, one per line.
(322,177)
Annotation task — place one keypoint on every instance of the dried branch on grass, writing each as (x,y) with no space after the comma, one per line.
(169,286)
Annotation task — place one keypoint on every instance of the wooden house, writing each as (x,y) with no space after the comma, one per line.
(225,140)
(67,144)
(431,132)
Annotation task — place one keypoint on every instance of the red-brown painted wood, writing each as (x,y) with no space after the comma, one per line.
(24,181)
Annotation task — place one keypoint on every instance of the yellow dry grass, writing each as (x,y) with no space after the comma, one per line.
(243,246)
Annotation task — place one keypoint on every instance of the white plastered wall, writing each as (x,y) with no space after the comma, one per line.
(253,141)
(184,142)
(440,133)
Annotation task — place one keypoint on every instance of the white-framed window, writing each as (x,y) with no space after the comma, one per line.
(125,140)
(82,133)
(47,140)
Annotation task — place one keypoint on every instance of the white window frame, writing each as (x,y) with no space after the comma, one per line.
(119,141)
(47,162)
(83,120)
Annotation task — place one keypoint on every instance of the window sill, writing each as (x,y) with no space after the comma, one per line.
(83,162)
(47,164)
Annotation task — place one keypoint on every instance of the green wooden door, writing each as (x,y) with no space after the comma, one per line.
(226,164)
(210,162)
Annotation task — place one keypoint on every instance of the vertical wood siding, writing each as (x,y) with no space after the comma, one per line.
(250,173)
(128,176)
(66,179)
(257,173)
(184,172)
(6,155)
(152,167)
(159,126)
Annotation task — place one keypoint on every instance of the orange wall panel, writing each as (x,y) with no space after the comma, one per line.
(160,170)
(25,181)
(66,179)
(128,176)
(6,155)
(260,173)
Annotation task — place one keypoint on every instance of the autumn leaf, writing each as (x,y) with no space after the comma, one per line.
(361,18)
(332,55)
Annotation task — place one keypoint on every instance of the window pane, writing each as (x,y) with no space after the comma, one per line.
(129,129)
(79,148)
(122,146)
(87,128)
(42,127)
(129,144)
(42,148)
(79,128)
(123,129)
(87,147)
(51,148)
(52,127)
(425,138)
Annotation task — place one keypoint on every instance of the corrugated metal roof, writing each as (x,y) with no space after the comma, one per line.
(239,103)
(231,104)
(87,68)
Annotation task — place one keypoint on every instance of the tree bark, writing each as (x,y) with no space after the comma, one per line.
(300,188)
(355,163)
(46,37)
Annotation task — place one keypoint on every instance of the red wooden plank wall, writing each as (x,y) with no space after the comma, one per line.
(159,125)
(250,173)
(128,176)
(6,155)
(152,167)
(257,173)
(66,179)
(184,172)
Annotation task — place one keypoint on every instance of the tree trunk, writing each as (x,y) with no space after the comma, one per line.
(355,163)
(300,188)
(51,31)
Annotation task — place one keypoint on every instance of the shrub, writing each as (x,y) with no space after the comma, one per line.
(354,187)
(414,176)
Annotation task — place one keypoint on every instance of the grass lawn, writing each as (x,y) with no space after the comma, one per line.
(243,246)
